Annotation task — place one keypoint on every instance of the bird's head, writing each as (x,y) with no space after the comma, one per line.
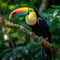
(29,13)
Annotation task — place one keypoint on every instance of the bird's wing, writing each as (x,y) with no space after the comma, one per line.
(44,26)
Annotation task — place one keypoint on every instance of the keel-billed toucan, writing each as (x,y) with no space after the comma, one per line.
(36,22)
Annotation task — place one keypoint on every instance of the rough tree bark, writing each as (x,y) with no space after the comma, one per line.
(44,5)
(21,28)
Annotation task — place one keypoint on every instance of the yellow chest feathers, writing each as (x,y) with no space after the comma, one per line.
(31,19)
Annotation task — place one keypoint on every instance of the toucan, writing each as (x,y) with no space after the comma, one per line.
(37,23)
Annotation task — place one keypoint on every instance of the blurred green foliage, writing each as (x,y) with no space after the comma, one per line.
(28,49)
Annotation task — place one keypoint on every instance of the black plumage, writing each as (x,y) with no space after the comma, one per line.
(41,28)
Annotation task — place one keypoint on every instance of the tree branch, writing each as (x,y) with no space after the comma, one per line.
(44,5)
(21,28)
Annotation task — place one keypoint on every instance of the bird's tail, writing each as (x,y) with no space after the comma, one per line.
(47,53)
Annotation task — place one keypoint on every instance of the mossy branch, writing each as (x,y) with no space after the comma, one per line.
(21,28)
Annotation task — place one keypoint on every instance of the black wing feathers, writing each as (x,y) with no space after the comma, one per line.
(44,27)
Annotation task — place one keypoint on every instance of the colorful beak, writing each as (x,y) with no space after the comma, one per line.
(19,11)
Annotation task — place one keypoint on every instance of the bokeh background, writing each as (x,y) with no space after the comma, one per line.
(28,48)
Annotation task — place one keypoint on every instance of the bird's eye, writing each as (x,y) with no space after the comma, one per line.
(31,10)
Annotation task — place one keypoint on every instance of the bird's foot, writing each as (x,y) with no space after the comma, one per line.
(31,33)
(40,38)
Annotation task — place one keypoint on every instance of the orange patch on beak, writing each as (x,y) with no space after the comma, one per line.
(18,11)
